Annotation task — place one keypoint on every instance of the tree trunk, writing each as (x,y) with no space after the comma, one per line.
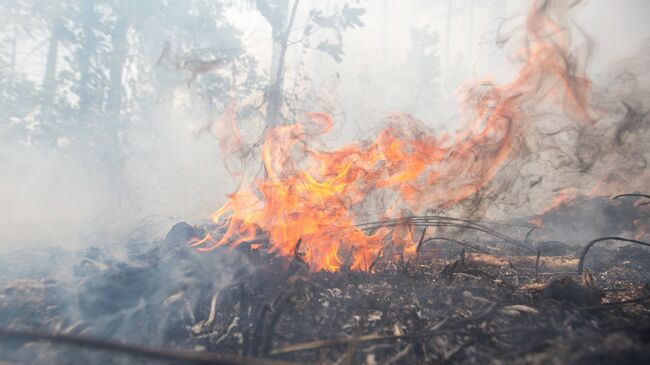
(116,160)
(116,91)
(87,49)
(277,34)
(49,78)
(281,32)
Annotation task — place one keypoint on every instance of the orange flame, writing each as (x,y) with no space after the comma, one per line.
(314,195)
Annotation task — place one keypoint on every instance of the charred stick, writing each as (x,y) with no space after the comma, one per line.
(135,350)
(417,249)
(296,251)
(632,195)
(581,263)
(462,258)
(537,261)
(402,263)
(280,305)
(528,235)
(374,262)
(258,330)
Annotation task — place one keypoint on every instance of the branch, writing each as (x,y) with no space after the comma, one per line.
(634,195)
(161,354)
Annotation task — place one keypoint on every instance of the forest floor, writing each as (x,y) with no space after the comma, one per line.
(448,306)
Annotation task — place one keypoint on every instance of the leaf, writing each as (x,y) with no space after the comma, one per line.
(334,50)
(352,16)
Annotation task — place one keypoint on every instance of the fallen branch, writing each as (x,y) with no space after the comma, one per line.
(136,350)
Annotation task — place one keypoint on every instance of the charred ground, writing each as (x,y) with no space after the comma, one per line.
(451,304)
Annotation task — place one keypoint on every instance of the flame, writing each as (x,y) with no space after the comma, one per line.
(314,195)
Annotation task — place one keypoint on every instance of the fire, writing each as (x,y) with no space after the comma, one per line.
(563,196)
(314,195)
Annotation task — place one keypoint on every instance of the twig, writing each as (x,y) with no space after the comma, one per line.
(537,261)
(417,248)
(296,252)
(528,235)
(633,195)
(374,262)
(581,263)
(136,350)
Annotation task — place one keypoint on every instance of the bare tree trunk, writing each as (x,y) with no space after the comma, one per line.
(275,95)
(116,91)
(87,49)
(49,78)
(116,159)
(277,33)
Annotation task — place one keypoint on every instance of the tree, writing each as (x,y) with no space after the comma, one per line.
(282,21)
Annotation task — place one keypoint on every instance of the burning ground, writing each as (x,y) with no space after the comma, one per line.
(411,247)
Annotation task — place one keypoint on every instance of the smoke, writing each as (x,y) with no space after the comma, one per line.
(66,195)
(545,138)
(49,197)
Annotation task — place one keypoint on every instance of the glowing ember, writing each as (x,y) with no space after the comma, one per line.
(312,194)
